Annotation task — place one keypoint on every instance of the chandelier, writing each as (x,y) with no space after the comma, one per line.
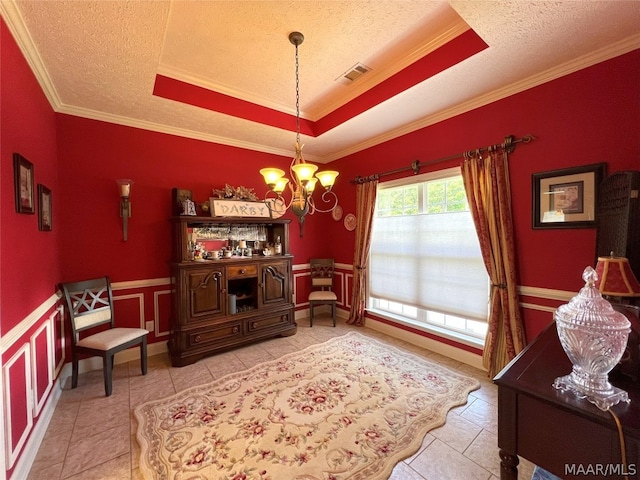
(302,173)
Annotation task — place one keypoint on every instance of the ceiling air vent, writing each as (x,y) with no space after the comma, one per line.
(352,74)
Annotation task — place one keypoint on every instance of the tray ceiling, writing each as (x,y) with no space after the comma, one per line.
(224,71)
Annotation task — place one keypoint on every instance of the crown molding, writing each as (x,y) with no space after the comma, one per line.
(593,58)
(15,23)
(178,132)
(13,19)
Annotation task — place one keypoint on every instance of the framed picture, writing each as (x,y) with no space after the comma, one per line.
(44,211)
(23,180)
(567,198)
(180,196)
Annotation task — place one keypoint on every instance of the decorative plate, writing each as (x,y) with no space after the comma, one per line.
(350,222)
(337,213)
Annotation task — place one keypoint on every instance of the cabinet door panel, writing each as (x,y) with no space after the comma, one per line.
(205,291)
(274,278)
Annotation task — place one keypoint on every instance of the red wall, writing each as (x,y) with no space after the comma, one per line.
(29,259)
(93,154)
(588,117)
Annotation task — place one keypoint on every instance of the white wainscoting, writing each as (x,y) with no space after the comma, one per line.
(38,340)
(47,323)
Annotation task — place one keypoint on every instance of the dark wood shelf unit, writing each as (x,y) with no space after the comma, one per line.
(202,323)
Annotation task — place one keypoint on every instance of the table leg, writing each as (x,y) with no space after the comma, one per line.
(508,466)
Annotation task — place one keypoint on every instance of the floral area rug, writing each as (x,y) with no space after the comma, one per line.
(350,408)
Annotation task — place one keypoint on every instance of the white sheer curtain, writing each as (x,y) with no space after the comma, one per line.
(430,261)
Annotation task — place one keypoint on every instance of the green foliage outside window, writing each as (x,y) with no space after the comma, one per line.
(398,201)
(442,196)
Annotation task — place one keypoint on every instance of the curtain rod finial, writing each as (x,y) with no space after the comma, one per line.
(508,144)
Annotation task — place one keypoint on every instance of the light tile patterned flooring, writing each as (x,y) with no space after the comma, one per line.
(92,437)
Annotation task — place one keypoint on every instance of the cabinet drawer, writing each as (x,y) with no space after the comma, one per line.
(239,271)
(212,335)
(268,321)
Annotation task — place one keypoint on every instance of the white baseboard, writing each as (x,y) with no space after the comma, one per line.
(458,354)
(28,455)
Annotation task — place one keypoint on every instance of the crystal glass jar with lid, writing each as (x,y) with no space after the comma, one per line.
(594,337)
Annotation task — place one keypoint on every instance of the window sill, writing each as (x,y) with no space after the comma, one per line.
(431,329)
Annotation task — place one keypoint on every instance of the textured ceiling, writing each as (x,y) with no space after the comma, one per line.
(100,59)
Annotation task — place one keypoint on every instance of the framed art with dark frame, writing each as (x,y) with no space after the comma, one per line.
(567,198)
(44,208)
(23,180)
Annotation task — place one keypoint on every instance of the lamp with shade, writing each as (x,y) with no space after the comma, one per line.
(615,277)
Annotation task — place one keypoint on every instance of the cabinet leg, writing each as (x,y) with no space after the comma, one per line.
(508,466)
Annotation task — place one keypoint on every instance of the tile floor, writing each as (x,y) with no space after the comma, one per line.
(92,437)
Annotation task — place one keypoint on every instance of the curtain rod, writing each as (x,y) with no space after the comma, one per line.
(509,145)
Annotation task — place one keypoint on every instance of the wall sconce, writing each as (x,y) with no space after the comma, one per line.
(124,187)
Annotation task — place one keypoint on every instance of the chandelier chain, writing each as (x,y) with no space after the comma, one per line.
(297,100)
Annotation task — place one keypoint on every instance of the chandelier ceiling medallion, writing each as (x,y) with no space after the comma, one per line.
(302,173)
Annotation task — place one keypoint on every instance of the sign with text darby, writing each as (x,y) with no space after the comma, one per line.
(221,207)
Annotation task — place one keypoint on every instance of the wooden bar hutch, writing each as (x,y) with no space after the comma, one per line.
(204,318)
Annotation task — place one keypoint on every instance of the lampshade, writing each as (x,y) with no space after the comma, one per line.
(281,184)
(304,171)
(327,177)
(616,278)
(271,175)
(311,185)
(125,187)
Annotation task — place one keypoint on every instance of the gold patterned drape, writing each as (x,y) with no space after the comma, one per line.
(365,206)
(486,182)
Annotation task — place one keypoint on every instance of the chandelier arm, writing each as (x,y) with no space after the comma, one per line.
(312,205)
(276,199)
(328,197)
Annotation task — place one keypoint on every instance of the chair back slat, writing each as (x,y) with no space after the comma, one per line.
(89,303)
(321,273)
(322,282)
(92,318)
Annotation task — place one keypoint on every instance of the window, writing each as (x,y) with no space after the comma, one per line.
(426,266)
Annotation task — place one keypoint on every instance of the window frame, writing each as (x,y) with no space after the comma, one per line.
(420,320)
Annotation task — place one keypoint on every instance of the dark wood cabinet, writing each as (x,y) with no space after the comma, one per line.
(224,303)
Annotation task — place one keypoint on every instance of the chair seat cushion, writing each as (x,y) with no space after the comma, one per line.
(111,338)
(322,295)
